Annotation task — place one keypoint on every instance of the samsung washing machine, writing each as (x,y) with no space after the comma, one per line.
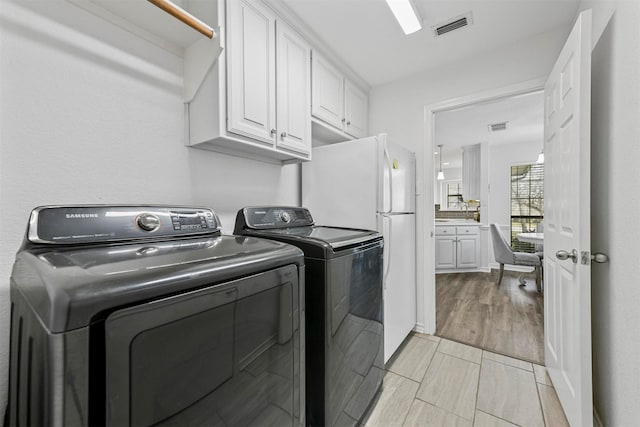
(147,315)
(344,345)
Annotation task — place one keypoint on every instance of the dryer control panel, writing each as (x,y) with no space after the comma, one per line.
(101,223)
(262,218)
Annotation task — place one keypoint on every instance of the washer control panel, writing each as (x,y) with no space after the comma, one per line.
(101,223)
(260,218)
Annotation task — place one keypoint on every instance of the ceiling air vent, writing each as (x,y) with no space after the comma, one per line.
(453,24)
(498,126)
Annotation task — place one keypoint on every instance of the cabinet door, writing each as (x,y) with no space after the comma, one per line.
(445,252)
(327,100)
(468,251)
(355,110)
(251,79)
(293,90)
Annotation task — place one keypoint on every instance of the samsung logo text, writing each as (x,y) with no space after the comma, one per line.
(82,215)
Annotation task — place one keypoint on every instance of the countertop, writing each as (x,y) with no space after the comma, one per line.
(456,221)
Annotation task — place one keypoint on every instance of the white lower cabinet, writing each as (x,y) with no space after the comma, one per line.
(457,247)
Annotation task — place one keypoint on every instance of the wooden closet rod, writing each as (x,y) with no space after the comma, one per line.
(184,16)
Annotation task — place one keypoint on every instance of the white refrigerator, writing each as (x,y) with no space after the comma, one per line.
(370,183)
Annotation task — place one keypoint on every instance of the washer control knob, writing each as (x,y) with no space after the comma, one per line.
(285,217)
(148,222)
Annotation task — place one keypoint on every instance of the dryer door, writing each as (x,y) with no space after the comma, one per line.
(222,355)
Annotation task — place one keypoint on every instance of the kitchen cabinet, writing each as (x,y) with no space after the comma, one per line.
(355,110)
(336,100)
(457,247)
(471,167)
(256,103)
(251,99)
(293,92)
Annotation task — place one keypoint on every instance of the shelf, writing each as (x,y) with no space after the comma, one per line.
(153,24)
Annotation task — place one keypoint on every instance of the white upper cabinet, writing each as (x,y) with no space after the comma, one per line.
(355,110)
(337,101)
(257,102)
(471,167)
(327,92)
(293,90)
(251,56)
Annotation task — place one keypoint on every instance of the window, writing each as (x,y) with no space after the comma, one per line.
(454,195)
(527,202)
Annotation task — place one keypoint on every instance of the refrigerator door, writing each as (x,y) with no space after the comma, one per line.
(340,185)
(399,279)
(399,189)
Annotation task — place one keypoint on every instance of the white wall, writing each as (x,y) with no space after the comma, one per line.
(615,203)
(92,114)
(398,108)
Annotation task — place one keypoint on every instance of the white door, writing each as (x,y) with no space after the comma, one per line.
(446,252)
(327,92)
(567,283)
(356,104)
(402,185)
(399,280)
(251,96)
(293,90)
(467,251)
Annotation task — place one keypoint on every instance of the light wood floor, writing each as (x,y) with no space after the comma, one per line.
(436,382)
(508,319)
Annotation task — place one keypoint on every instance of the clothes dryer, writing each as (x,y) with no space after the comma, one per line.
(147,315)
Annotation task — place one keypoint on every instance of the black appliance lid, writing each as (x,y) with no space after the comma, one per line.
(71,286)
(334,236)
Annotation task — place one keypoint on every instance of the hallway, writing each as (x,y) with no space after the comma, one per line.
(507,319)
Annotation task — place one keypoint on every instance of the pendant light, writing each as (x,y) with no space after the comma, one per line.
(440,176)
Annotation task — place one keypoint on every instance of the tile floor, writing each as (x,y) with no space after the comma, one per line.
(437,382)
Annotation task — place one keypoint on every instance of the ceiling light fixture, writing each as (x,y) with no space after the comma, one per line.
(406,15)
(440,176)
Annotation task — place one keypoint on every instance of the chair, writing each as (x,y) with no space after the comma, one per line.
(505,255)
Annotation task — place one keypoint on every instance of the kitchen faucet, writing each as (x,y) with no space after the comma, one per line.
(466,209)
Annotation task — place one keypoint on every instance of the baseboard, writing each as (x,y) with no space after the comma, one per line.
(419,328)
(463,270)
(597,422)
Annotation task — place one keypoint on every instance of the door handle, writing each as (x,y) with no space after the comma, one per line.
(599,258)
(564,255)
(587,257)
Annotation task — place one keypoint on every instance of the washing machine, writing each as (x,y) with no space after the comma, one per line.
(148,315)
(344,324)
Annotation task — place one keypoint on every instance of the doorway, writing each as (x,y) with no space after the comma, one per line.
(486,156)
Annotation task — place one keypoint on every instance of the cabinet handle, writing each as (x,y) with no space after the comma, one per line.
(344,120)
(283,135)
(348,123)
(273,132)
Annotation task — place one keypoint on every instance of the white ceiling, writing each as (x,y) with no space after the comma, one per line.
(469,125)
(365,35)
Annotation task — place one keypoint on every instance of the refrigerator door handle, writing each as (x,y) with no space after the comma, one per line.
(387,243)
(390,166)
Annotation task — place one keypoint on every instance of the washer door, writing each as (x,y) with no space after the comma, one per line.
(222,355)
